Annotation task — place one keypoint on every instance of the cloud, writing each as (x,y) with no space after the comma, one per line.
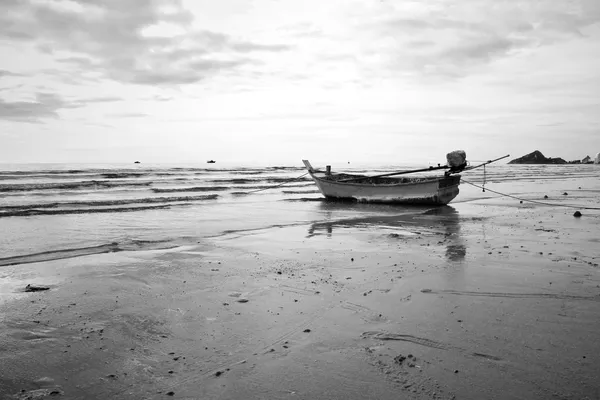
(158,97)
(477,50)
(4,72)
(104,99)
(127,115)
(120,39)
(249,47)
(457,38)
(45,106)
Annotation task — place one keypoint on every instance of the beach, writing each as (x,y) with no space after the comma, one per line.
(282,295)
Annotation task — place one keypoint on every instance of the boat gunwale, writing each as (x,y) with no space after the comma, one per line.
(431,179)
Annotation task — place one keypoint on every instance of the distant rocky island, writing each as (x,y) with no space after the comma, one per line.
(537,157)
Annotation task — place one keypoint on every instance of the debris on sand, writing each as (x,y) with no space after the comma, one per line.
(306,330)
(34,288)
(399,359)
(39,394)
(577,214)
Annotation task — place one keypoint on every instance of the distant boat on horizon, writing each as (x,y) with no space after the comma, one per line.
(211,161)
(136,162)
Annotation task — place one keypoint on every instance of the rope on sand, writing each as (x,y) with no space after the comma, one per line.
(531,201)
(276,186)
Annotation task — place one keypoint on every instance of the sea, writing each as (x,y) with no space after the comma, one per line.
(50,211)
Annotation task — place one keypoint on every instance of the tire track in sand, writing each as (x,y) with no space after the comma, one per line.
(426,343)
(513,295)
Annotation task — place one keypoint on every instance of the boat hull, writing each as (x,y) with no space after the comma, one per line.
(427,191)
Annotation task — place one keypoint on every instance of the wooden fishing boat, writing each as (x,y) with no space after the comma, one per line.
(426,190)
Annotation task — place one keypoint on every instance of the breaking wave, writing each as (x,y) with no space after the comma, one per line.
(29,187)
(39,192)
(190,189)
(104,203)
(31,212)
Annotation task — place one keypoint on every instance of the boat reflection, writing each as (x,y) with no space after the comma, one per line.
(448,219)
(395,221)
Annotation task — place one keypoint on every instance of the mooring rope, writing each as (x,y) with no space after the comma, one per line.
(462,180)
(531,201)
(276,186)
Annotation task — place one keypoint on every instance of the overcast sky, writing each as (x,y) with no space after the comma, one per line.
(281,80)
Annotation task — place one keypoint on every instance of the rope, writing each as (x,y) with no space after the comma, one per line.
(276,186)
(531,201)
(484,178)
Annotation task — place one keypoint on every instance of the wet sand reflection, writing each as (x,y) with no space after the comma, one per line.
(398,221)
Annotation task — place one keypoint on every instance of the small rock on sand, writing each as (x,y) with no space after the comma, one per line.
(577,214)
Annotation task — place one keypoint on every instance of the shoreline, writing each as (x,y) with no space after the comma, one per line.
(463,289)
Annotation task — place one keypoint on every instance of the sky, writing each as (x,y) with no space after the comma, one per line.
(278,81)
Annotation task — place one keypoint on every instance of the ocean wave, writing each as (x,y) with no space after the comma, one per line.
(44,171)
(300,191)
(22,177)
(191,189)
(235,180)
(277,168)
(248,172)
(121,175)
(268,179)
(33,212)
(30,187)
(287,179)
(105,203)
(261,187)
(90,175)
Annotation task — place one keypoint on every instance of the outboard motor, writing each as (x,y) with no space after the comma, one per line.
(457,160)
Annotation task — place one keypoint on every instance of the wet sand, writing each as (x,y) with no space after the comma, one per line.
(480,300)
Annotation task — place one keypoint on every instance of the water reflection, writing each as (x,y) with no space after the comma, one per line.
(448,219)
(396,221)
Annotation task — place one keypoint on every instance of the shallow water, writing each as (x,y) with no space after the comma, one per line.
(55,211)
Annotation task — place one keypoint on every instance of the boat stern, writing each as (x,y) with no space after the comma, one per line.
(448,189)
